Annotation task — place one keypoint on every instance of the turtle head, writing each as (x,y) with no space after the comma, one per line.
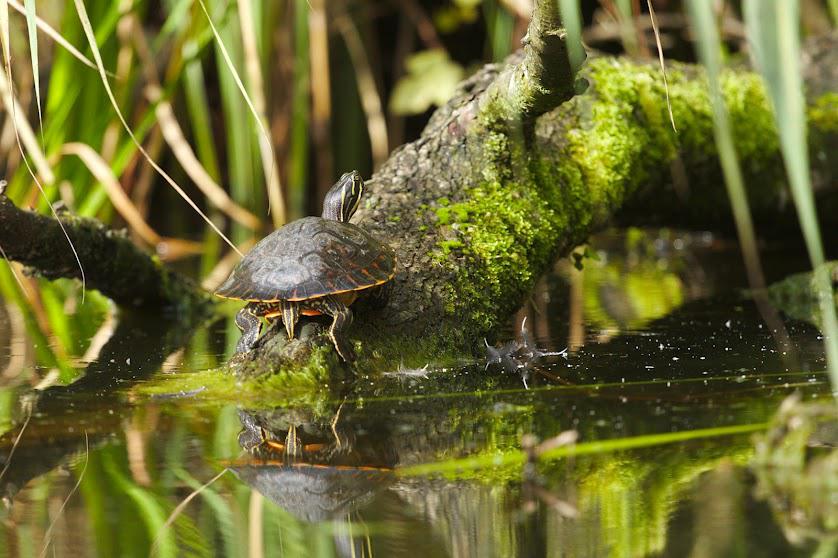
(342,200)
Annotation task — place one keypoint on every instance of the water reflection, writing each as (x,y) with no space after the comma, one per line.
(333,471)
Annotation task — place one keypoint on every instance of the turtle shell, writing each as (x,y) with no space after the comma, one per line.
(309,258)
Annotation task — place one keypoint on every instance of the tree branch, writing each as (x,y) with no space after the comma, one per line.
(112,264)
(539,78)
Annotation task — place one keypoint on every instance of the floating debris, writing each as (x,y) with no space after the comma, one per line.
(403,372)
(519,356)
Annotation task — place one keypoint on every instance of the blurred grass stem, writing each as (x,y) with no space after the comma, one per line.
(773,29)
(708,40)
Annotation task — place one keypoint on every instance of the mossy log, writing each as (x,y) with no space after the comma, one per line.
(513,172)
(482,203)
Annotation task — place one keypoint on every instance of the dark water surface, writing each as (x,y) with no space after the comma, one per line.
(669,376)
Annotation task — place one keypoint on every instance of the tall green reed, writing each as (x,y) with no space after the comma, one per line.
(773,31)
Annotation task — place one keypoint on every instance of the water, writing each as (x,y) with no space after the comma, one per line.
(669,376)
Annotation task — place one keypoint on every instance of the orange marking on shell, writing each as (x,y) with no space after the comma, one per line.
(302,299)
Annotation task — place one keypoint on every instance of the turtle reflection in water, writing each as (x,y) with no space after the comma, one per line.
(311,266)
(320,477)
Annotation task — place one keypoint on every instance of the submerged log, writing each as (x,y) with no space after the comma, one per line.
(513,172)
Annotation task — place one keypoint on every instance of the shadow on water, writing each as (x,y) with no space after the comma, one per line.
(668,376)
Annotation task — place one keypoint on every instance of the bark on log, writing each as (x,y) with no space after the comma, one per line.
(481,203)
(112,263)
(506,177)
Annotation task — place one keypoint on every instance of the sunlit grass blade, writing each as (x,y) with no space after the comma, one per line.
(500,23)
(654,21)
(19,124)
(709,45)
(91,39)
(265,147)
(367,91)
(33,53)
(55,35)
(123,204)
(171,130)
(773,29)
(197,104)
(517,457)
(628,33)
(300,112)
(572,22)
(253,67)
(4,30)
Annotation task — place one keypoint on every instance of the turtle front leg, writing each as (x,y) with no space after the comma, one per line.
(250,326)
(290,315)
(341,318)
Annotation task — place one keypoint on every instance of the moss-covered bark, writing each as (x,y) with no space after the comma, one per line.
(480,205)
(483,201)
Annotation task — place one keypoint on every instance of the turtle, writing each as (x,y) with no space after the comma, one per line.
(311,266)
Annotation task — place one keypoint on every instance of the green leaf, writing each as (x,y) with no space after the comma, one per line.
(431,80)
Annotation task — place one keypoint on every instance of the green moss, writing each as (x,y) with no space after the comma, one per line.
(499,235)
(797,297)
(448,246)
(220,385)
(823,114)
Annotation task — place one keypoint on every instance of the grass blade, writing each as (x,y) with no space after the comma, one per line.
(19,123)
(55,36)
(265,147)
(572,22)
(33,53)
(367,91)
(518,457)
(173,134)
(91,39)
(773,30)
(253,67)
(709,44)
(654,21)
(121,202)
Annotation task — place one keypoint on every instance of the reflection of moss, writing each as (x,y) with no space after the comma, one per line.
(618,298)
(796,295)
(796,462)
(633,495)
(212,386)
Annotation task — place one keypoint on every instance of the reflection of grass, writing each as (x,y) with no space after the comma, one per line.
(456,468)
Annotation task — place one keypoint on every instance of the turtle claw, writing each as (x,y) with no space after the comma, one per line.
(344,350)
